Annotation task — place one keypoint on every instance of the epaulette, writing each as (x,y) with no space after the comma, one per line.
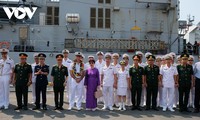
(54,65)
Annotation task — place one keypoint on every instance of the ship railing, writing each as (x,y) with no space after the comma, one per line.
(123,44)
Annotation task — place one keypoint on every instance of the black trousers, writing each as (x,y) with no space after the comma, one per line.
(41,89)
(21,91)
(152,93)
(184,92)
(136,92)
(58,91)
(197,93)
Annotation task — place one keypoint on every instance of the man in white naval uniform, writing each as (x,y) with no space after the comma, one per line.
(168,74)
(67,62)
(36,59)
(126,57)
(115,57)
(108,77)
(99,64)
(6,75)
(77,73)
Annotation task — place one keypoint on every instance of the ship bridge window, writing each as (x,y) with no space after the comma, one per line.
(107,18)
(104,1)
(52,16)
(100,18)
(108,1)
(100,1)
(93,17)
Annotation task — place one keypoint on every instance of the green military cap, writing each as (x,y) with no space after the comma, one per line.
(59,56)
(185,55)
(151,57)
(23,55)
(41,55)
(136,57)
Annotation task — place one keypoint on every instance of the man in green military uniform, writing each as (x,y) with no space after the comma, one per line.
(22,80)
(151,72)
(136,82)
(184,82)
(59,76)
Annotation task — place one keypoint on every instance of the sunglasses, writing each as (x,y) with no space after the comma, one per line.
(190,60)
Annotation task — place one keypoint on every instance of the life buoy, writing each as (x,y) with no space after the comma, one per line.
(6,44)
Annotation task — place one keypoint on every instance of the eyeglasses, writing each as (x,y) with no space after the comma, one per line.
(91,63)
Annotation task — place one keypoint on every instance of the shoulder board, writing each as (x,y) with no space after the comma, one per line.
(10,59)
(17,63)
(54,65)
(131,66)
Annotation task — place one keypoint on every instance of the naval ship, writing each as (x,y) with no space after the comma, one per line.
(122,26)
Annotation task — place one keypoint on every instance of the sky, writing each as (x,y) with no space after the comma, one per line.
(190,7)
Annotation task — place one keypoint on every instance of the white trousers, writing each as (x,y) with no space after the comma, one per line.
(33,93)
(176,97)
(76,91)
(143,97)
(4,90)
(108,96)
(168,97)
(160,97)
(191,98)
(115,97)
(128,98)
(68,88)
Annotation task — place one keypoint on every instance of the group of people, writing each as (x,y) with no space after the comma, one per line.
(161,81)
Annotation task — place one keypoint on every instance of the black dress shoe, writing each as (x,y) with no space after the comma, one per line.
(138,108)
(147,108)
(25,108)
(56,108)
(36,108)
(187,110)
(18,108)
(196,111)
(156,109)
(133,108)
(180,110)
(61,108)
(44,108)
